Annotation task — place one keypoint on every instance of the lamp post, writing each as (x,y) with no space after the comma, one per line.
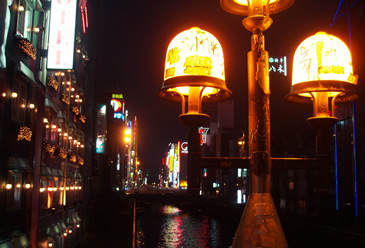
(260,225)
(194,73)
(323,75)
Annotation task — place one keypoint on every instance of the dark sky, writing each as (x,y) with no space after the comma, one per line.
(136,36)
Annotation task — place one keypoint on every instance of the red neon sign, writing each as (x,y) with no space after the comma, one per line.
(84,17)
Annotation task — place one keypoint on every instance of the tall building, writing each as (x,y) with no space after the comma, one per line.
(220,139)
(44,84)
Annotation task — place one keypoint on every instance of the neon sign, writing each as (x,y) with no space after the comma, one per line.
(118,106)
(101,129)
(117,96)
(61,45)
(203,135)
(184,147)
(277,65)
(84,17)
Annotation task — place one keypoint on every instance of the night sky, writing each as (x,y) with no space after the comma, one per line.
(136,36)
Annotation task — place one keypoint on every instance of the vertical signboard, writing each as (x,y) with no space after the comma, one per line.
(277,65)
(117,102)
(203,135)
(61,45)
(100,129)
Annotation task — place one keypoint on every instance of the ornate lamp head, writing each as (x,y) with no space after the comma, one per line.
(194,72)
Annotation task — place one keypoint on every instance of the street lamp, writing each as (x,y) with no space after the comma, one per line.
(194,73)
(260,225)
(323,74)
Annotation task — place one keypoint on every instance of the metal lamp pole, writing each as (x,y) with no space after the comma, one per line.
(194,73)
(260,225)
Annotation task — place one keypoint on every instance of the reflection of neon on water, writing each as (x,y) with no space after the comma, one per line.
(168,209)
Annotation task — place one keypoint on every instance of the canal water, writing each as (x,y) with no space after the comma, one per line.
(168,226)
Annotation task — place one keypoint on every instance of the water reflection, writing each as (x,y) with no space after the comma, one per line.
(170,227)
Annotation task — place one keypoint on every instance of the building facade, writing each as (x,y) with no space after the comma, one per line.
(43,75)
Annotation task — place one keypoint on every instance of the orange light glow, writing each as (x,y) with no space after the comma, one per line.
(245,2)
(183,183)
(185,90)
(322,57)
(255,7)
(194,52)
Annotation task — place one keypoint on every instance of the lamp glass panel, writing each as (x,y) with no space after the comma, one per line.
(245,2)
(185,90)
(322,57)
(194,52)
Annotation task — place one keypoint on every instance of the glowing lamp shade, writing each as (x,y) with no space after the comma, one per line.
(323,74)
(194,59)
(255,7)
(194,71)
(322,63)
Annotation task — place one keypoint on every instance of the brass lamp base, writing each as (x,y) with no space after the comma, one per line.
(194,119)
(322,122)
(260,225)
(254,23)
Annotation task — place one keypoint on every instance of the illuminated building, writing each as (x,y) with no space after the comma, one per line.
(43,122)
(174,172)
(116,145)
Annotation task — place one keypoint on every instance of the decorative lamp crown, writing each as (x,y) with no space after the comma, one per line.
(255,7)
(322,71)
(194,70)
(257,11)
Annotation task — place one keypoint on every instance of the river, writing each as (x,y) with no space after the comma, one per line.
(167,226)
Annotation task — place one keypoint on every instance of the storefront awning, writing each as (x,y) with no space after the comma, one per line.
(18,163)
(77,175)
(48,103)
(47,172)
(62,226)
(24,70)
(6,244)
(57,172)
(53,230)
(21,241)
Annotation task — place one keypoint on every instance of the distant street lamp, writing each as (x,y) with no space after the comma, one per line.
(194,73)
(260,225)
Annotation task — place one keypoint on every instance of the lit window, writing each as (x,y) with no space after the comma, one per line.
(18,103)
(14,193)
(24,20)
